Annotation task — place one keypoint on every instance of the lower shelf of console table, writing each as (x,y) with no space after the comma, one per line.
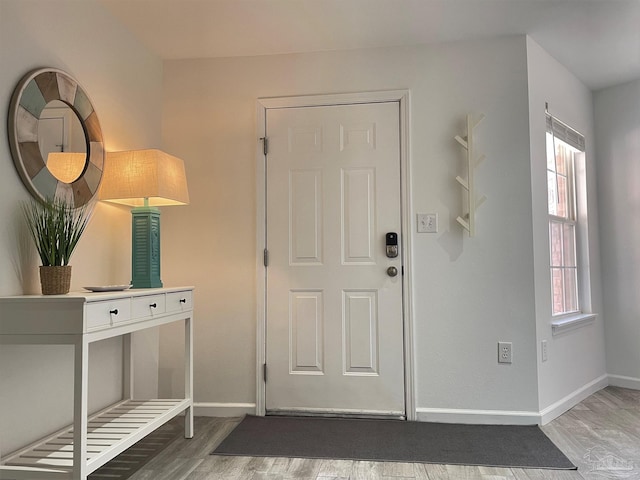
(109,433)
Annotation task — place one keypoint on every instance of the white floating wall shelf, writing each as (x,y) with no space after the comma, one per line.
(468,221)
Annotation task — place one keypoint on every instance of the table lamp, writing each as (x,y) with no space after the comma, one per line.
(145,180)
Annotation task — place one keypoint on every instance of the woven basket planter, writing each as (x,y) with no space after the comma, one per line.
(55,280)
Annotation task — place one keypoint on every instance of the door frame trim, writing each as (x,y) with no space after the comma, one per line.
(262,105)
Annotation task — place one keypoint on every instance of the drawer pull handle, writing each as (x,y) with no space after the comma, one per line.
(114,311)
(153,305)
(183,300)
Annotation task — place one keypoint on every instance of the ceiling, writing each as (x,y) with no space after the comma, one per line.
(598,40)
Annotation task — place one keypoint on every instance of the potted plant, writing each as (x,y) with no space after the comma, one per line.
(56,227)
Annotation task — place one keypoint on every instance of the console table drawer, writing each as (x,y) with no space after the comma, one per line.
(147,306)
(103,314)
(179,301)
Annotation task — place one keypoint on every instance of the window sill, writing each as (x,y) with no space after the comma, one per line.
(571,322)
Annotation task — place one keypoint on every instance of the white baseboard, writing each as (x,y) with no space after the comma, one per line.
(477,417)
(451,415)
(215,409)
(514,417)
(624,382)
(558,408)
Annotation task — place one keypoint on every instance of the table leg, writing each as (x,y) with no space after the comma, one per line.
(127,367)
(80,390)
(188,376)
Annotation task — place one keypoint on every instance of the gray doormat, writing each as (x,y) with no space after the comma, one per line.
(394,441)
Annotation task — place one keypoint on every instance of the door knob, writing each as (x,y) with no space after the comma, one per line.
(392,271)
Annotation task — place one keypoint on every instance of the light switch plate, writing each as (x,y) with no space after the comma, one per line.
(427,223)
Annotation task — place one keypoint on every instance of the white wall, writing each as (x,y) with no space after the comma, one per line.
(575,358)
(617,111)
(468,292)
(124,83)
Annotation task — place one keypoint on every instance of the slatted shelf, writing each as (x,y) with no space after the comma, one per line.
(109,433)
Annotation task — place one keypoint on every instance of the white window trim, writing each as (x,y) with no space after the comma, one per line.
(562,323)
(571,322)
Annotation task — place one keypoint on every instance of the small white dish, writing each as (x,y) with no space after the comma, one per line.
(108,288)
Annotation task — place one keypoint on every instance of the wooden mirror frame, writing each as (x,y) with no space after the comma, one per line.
(36,89)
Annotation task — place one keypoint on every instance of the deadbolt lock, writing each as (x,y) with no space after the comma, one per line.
(391,240)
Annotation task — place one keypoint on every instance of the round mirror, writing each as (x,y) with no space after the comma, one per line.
(55,137)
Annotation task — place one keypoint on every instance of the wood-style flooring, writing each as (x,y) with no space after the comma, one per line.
(601,435)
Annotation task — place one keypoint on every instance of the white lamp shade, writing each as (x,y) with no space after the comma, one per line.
(131,177)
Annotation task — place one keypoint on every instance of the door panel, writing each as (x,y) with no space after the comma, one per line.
(305,205)
(360,332)
(358,209)
(307,325)
(334,317)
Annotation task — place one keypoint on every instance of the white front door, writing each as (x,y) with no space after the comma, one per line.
(334,327)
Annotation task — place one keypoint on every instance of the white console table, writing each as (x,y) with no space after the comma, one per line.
(79,319)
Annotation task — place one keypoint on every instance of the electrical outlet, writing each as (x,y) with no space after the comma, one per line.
(504,352)
(545,353)
(427,222)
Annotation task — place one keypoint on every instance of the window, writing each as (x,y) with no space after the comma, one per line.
(563,145)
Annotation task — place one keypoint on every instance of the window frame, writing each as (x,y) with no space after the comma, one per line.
(574,141)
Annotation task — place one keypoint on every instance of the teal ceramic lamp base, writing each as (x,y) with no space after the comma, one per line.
(145,247)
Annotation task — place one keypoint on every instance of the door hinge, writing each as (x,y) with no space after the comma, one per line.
(264,372)
(265,145)
(265,257)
